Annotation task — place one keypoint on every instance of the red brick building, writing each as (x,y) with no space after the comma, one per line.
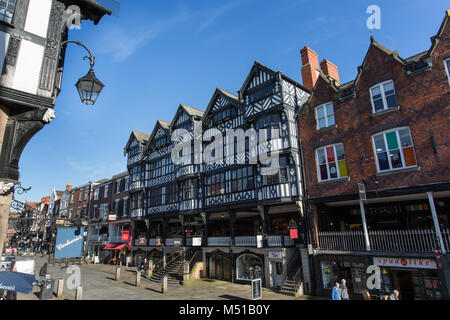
(79,201)
(388,129)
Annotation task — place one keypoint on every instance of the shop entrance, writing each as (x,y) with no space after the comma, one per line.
(404,281)
(220,267)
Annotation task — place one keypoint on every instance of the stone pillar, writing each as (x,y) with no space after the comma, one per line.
(117,278)
(186,272)
(60,289)
(5,205)
(232,225)
(150,269)
(138,278)
(79,293)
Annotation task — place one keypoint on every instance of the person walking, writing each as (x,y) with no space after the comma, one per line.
(344,290)
(394,295)
(42,272)
(336,292)
(145,266)
(139,264)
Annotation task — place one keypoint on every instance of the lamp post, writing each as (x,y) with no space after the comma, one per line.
(89,86)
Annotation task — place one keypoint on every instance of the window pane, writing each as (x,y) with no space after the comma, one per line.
(320,113)
(383,162)
(323,172)
(379,143)
(391,101)
(333,170)
(322,123)
(330,154)
(391,139)
(331,120)
(343,168)
(330,110)
(388,88)
(376,92)
(340,152)
(396,160)
(321,156)
(378,104)
(405,138)
(408,154)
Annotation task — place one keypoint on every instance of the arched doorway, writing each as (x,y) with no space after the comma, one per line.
(219,266)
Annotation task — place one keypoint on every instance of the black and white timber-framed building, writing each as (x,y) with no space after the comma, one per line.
(227,207)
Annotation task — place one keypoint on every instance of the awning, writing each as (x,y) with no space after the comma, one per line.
(115,246)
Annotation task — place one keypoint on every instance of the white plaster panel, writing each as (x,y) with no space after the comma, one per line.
(4,41)
(28,68)
(38,17)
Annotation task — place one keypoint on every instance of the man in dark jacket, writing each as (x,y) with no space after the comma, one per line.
(42,272)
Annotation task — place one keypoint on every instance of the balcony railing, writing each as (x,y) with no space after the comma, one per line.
(424,241)
(117,239)
(245,241)
(171,241)
(219,241)
(152,242)
(275,241)
(136,185)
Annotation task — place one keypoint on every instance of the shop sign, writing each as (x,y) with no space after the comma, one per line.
(293,233)
(256,289)
(125,235)
(177,243)
(197,242)
(259,241)
(275,255)
(415,263)
(362,191)
(112,217)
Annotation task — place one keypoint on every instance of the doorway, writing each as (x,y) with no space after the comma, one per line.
(220,267)
(403,280)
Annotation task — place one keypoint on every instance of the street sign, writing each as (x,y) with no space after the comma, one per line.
(362,191)
(69,243)
(256,289)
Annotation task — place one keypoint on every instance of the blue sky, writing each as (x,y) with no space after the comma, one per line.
(158,54)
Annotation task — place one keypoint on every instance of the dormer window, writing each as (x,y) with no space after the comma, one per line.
(383,96)
(7,8)
(325,116)
(261,92)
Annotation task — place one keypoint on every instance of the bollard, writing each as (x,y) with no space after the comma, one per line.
(164,285)
(79,293)
(59,290)
(117,274)
(138,278)
(150,269)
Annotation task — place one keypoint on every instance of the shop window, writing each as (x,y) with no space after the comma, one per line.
(383,96)
(332,163)
(325,116)
(249,267)
(394,150)
(329,274)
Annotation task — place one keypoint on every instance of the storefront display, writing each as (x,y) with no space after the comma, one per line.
(249,267)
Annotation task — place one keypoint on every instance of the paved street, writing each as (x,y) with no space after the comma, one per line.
(98,283)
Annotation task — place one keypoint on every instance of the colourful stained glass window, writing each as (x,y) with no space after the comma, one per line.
(394,149)
(332,163)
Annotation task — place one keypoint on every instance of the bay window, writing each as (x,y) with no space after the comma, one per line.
(394,149)
(383,96)
(332,163)
(325,116)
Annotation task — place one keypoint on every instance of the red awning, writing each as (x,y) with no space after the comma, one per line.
(115,246)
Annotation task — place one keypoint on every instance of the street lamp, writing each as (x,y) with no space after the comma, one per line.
(89,86)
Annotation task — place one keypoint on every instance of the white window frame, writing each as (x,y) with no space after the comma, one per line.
(383,96)
(396,130)
(328,169)
(324,106)
(447,69)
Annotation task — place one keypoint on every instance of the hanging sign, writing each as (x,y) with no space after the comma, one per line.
(293,233)
(259,241)
(362,191)
(125,235)
(197,242)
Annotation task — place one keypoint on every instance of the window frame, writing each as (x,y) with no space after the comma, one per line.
(383,96)
(447,69)
(324,105)
(2,20)
(402,157)
(319,176)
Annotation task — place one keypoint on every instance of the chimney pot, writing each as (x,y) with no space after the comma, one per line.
(330,69)
(310,67)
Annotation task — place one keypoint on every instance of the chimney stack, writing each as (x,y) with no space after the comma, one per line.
(330,69)
(310,67)
(69,187)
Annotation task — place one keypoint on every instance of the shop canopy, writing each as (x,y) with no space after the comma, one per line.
(115,246)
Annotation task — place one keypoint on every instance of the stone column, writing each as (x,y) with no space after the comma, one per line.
(5,205)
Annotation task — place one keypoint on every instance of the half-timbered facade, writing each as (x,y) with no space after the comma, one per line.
(219,199)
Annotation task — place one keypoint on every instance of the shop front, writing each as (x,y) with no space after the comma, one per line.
(249,266)
(334,268)
(414,278)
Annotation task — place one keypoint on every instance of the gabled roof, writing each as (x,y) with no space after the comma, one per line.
(159,124)
(259,66)
(231,98)
(194,112)
(141,137)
